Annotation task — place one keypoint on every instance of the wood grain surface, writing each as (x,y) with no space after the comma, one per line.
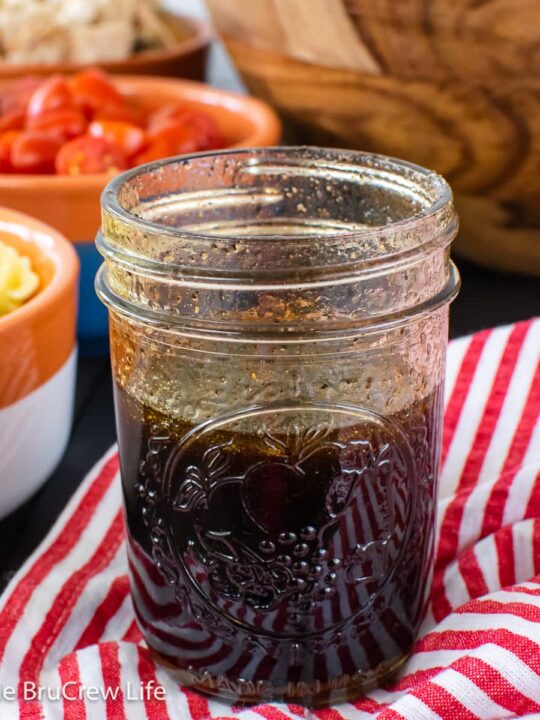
(450,84)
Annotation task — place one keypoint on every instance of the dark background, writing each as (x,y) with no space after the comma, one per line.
(486,299)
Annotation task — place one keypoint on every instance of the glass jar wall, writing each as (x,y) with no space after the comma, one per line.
(278,332)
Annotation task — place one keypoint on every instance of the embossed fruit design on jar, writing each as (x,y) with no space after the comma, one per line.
(278,332)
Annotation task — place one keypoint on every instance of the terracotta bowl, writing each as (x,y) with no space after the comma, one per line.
(71,204)
(37,361)
(187,59)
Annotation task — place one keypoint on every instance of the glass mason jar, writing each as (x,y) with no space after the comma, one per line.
(278,325)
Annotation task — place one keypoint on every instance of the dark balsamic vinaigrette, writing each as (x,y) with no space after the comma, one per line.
(283,554)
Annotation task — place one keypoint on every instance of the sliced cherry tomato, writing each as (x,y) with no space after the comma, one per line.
(64,123)
(34,152)
(208,134)
(6,141)
(172,140)
(15,97)
(180,138)
(166,143)
(130,139)
(13,120)
(88,155)
(156,150)
(163,116)
(92,89)
(121,113)
(53,93)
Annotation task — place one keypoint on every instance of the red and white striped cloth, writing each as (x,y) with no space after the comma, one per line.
(67,618)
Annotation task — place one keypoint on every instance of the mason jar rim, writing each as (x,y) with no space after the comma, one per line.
(354,160)
(392,265)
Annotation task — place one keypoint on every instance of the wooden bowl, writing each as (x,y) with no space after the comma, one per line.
(450,85)
(187,59)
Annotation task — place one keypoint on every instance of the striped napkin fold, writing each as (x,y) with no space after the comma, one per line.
(70,648)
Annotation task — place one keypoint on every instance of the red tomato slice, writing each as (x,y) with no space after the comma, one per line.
(13,120)
(6,141)
(64,123)
(207,132)
(34,152)
(157,150)
(163,116)
(93,89)
(121,113)
(180,138)
(130,139)
(15,97)
(53,93)
(167,142)
(87,155)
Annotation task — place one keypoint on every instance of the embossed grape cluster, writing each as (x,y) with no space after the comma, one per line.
(314,574)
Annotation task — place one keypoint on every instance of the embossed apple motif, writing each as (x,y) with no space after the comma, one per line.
(281,495)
